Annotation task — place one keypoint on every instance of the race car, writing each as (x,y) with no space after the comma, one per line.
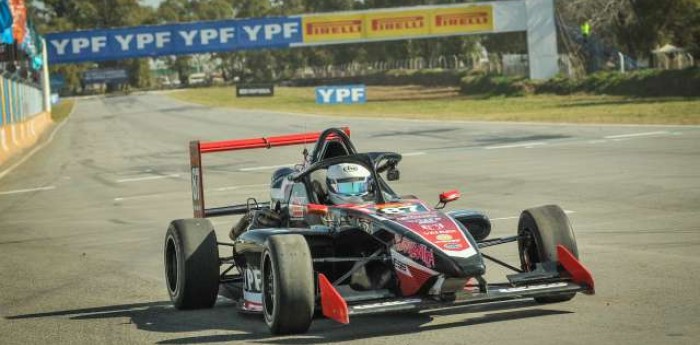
(305,251)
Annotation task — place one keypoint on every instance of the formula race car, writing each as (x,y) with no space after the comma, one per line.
(306,251)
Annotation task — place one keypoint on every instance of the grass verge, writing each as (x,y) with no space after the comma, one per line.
(418,102)
(60,111)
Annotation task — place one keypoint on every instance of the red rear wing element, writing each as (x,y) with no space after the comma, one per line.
(197,148)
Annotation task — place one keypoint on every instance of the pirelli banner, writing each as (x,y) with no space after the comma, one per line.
(399,23)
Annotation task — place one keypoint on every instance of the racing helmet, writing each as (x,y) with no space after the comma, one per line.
(348,183)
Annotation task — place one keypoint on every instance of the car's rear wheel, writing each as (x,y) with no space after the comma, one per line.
(540,230)
(287,284)
(191,258)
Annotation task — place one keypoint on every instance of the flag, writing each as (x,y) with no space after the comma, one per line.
(6,21)
(19,15)
(37,62)
(5,15)
(7,37)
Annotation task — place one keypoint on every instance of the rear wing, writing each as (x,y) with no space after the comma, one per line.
(198,148)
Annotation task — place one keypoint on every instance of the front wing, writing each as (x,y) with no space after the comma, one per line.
(576,278)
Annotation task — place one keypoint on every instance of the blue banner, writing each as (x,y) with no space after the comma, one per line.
(108,75)
(345,94)
(173,39)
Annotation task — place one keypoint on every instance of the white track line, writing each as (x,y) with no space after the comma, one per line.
(504,218)
(39,147)
(525,145)
(516,217)
(634,135)
(268,167)
(412,154)
(148,178)
(28,190)
(168,194)
(138,197)
(223,189)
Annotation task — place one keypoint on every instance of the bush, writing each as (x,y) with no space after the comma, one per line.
(426,77)
(644,83)
(485,84)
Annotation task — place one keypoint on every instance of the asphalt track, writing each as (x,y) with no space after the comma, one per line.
(82,224)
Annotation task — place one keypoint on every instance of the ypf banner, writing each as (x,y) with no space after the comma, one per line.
(173,39)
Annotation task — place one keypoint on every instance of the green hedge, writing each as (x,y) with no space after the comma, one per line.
(645,83)
(485,84)
(426,77)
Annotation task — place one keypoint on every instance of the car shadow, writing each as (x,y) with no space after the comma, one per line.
(161,317)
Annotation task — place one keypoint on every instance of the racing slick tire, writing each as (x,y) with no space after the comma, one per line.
(540,230)
(287,284)
(191,256)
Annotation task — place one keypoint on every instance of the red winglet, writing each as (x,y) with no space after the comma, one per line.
(579,273)
(332,304)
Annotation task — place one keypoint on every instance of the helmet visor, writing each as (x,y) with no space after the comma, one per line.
(350,186)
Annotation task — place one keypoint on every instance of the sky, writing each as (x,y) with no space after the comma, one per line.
(153,3)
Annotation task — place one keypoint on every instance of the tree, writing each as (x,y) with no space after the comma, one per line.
(636,27)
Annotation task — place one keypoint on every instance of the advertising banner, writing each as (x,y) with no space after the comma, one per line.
(333,28)
(107,75)
(342,94)
(274,32)
(401,23)
(255,90)
(173,39)
(397,24)
(462,20)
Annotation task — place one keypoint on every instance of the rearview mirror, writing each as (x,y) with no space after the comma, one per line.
(392,174)
(446,197)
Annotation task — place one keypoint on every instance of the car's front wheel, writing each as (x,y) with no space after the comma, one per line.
(287,284)
(540,231)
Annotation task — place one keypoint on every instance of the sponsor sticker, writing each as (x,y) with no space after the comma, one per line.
(437,229)
(434,227)
(443,237)
(453,246)
(416,251)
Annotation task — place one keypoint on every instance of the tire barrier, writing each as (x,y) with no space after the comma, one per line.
(23,120)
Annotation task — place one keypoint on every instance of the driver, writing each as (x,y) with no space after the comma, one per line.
(349,183)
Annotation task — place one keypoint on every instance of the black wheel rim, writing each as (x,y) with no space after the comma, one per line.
(529,254)
(268,289)
(171,265)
